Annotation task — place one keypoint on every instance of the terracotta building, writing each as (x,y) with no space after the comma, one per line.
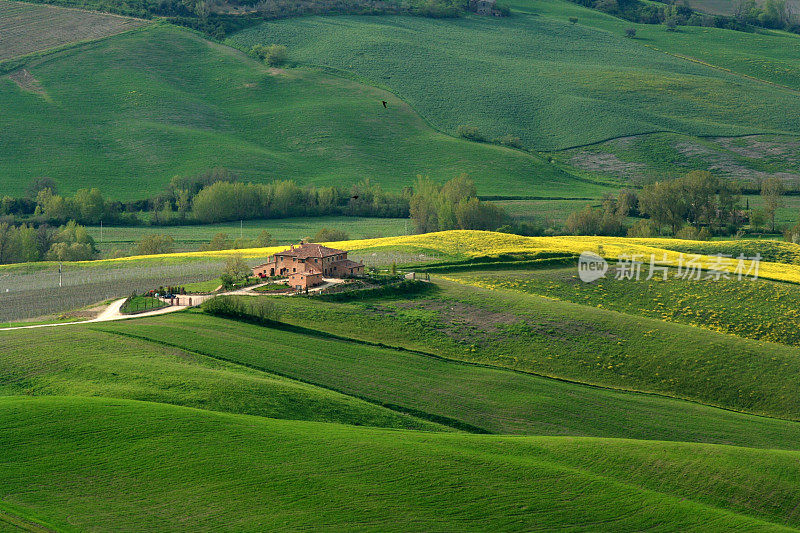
(305,265)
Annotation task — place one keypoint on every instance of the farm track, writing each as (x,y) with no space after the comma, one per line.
(111,314)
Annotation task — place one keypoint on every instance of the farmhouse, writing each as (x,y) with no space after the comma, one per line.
(307,264)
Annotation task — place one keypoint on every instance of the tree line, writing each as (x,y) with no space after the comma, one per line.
(774,14)
(216,196)
(695,206)
(26,243)
(226,201)
(452,205)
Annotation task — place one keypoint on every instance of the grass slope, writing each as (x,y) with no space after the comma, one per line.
(176,104)
(764,54)
(80,463)
(536,76)
(465,396)
(577,342)
(71,361)
(760,309)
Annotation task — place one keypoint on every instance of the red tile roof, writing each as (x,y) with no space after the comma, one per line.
(304,251)
(347,263)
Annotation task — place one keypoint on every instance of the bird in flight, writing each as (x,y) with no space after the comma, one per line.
(384,103)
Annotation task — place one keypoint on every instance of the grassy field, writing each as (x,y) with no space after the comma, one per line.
(79,361)
(646,158)
(28,28)
(616,86)
(580,343)
(762,310)
(468,397)
(764,55)
(728,7)
(189,238)
(176,468)
(545,212)
(175,104)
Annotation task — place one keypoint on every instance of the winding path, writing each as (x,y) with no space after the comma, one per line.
(112,312)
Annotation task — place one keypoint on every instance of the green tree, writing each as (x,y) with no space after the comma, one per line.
(39,184)
(264,239)
(665,204)
(220,241)
(330,235)
(470,132)
(237,269)
(772,191)
(758,218)
(423,205)
(154,244)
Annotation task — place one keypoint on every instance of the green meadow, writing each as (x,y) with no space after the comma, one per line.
(756,309)
(467,406)
(766,55)
(97,363)
(582,343)
(471,398)
(287,230)
(536,76)
(156,466)
(128,113)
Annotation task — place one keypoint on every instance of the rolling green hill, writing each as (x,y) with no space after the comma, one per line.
(189,421)
(767,55)
(571,341)
(128,113)
(759,309)
(468,397)
(222,365)
(114,464)
(85,362)
(552,84)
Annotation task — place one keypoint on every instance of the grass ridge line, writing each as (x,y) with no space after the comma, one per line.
(430,417)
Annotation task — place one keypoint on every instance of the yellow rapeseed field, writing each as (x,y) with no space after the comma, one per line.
(780,261)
